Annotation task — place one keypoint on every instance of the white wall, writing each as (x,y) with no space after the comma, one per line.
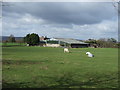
(52,45)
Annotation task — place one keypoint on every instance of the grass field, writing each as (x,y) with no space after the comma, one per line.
(12,44)
(44,67)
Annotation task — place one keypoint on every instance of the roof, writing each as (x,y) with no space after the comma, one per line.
(52,39)
(70,41)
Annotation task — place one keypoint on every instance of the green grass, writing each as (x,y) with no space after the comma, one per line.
(12,44)
(42,67)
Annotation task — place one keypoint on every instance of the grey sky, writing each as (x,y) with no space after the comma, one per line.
(68,20)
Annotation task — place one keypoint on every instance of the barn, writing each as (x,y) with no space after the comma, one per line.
(64,42)
(73,43)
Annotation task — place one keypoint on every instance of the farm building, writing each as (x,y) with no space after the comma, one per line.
(49,42)
(65,42)
(73,43)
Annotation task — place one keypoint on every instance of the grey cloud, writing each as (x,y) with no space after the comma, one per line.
(63,13)
(68,20)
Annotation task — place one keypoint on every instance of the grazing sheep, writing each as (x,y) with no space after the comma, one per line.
(66,50)
(27,44)
(89,54)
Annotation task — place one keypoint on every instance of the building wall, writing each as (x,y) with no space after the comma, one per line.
(52,45)
(42,38)
(79,45)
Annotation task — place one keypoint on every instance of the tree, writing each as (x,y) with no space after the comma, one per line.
(11,38)
(107,43)
(112,40)
(32,39)
(92,42)
(27,39)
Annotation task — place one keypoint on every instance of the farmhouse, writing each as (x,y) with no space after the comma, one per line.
(73,43)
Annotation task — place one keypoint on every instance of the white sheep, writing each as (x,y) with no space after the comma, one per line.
(89,54)
(27,44)
(66,50)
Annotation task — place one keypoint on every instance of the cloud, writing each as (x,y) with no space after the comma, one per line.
(68,20)
(64,13)
(104,29)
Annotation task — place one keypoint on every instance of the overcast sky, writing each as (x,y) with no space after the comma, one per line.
(79,20)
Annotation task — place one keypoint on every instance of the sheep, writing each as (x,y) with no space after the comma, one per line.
(89,54)
(66,50)
(27,45)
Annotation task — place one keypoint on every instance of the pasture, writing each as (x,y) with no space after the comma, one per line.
(12,44)
(45,67)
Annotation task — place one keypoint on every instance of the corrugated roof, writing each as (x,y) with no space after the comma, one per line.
(70,41)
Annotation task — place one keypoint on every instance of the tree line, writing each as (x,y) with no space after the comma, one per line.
(33,39)
(104,43)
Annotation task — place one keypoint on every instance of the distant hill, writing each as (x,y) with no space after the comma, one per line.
(4,38)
